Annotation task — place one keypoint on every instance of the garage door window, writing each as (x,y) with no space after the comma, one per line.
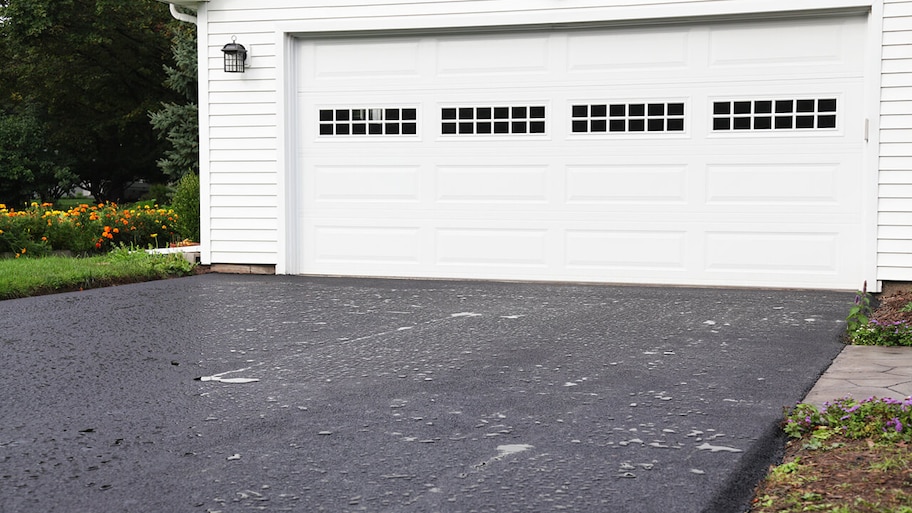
(374,121)
(783,114)
(499,120)
(627,117)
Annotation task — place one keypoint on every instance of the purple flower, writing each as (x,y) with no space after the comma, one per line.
(895,424)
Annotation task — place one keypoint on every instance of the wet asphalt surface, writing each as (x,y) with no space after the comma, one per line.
(413,396)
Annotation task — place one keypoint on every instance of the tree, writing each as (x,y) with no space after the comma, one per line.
(90,70)
(27,167)
(178,123)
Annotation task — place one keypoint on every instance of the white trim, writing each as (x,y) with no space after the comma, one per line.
(202,40)
(580,16)
(288,243)
(871,157)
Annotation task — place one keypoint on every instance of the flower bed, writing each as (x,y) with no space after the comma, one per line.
(42,229)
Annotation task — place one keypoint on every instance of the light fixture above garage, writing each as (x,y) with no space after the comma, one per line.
(235,56)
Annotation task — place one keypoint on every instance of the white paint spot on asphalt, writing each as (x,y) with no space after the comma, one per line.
(511,316)
(466,314)
(717,448)
(697,471)
(709,323)
(506,450)
(233,457)
(404,328)
(571,384)
(218,377)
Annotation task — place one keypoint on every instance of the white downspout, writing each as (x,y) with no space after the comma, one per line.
(188,18)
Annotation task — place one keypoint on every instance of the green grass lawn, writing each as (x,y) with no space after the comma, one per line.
(22,277)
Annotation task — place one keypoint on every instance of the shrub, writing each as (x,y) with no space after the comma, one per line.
(186,203)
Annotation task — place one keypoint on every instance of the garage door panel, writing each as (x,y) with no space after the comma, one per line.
(365,183)
(621,51)
(498,55)
(517,184)
(640,183)
(625,250)
(796,252)
(496,247)
(798,45)
(386,245)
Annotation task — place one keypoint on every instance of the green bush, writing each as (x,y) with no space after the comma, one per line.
(186,204)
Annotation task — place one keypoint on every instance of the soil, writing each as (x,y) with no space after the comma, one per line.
(889,308)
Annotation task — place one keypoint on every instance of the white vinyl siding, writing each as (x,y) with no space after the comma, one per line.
(244,211)
(894,247)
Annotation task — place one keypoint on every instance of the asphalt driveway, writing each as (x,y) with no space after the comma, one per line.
(382,395)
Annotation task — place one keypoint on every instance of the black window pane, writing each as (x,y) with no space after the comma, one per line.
(501,127)
(742,108)
(519,112)
(448,114)
(409,128)
(599,125)
(804,121)
(392,129)
(636,109)
(617,110)
(466,113)
(676,125)
(599,111)
(826,121)
(675,109)
(742,123)
(359,115)
(580,127)
(806,105)
(501,113)
(617,125)
(409,114)
(763,107)
(721,108)
(636,125)
(326,115)
(783,122)
(826,105)
(656,109)
(375,129)
(721,124)
(519,127)
(483,128)
(326,129)
(342,129)
(359,129)
(537,112)
(391,115)
(580,111)
(483,113)
(656,125)
(537,127)
(342,115)
(467,128)
(448,128)
(783,106)
(763,123)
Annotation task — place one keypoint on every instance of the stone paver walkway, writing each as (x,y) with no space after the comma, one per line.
(866,371)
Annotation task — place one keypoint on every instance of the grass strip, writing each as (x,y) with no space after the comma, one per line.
(22,277)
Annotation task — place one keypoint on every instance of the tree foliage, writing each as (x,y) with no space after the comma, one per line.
(27,167)
(89,71)
(178,123)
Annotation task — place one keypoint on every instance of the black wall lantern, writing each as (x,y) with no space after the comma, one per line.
(235,56)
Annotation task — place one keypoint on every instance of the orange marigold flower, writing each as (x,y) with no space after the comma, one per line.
(107,229)
(98,245)
(116,230)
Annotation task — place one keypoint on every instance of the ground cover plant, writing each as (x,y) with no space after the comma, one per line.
(851,456)
(35,276)
(84,229)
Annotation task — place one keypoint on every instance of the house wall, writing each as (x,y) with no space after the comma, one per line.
(894,245)
(244,180)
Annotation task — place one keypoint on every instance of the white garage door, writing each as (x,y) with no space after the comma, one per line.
(713,154)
